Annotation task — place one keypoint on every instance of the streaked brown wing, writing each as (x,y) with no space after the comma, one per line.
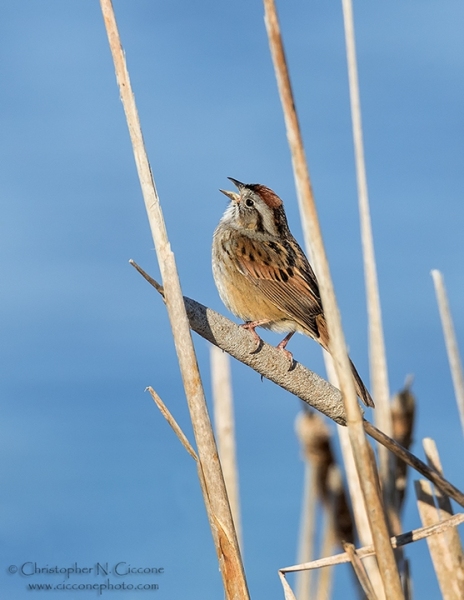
(282,273)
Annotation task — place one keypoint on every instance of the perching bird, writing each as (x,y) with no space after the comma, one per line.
(262,274)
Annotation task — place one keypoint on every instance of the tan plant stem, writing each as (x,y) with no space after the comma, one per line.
(220,516)
(225,428)
(452,544)
(396,541)
(307,531)
(378,361)
(360,571)
(288,592)
(337,346)
(184,441)
(173,423)
(443,565)
(325,579)
(450,341)
(359,510)
(445,486)
(357,498)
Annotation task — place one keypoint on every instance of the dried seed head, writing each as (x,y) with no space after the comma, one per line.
(403,410)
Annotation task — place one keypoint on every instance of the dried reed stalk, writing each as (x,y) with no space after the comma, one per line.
(450,341)
(288,592)
(214,489)
(414,462)
(378,361)
(184,441)
(396,541)
(343,524)
(308,513)
(316,444)
(357,498)
(445,511)
(225,429)
(360,571)
(173,423)
(312,232)
(329,540)
(326,485)
(443,565)
(407,581)
(359,511)
(270,362)
(307,532)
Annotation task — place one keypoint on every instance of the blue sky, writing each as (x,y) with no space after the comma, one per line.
(90,471)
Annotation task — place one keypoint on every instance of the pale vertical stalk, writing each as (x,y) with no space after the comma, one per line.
(359,511)
(220,515)
(360,572)
(447,487)
(407,581)
(288,592)
(357,498)
(225,429)
(450,341)
(325,579)
(378,361)
(307,532)
(385,557)
(445,511)
(447,580)
(311,433)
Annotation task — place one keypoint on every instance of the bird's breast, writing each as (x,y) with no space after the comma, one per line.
(239,294)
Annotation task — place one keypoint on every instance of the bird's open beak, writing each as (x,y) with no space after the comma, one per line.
(232,195)
(237,183)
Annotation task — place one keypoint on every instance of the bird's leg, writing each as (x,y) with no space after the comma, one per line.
(251,326)
(283,344)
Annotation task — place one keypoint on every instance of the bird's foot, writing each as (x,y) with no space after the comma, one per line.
(288,354)
(251,326)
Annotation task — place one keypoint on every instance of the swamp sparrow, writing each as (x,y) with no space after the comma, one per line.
(262,274)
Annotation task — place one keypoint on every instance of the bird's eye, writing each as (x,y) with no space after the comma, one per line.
(249,202)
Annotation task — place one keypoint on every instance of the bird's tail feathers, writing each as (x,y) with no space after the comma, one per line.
(323,339)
